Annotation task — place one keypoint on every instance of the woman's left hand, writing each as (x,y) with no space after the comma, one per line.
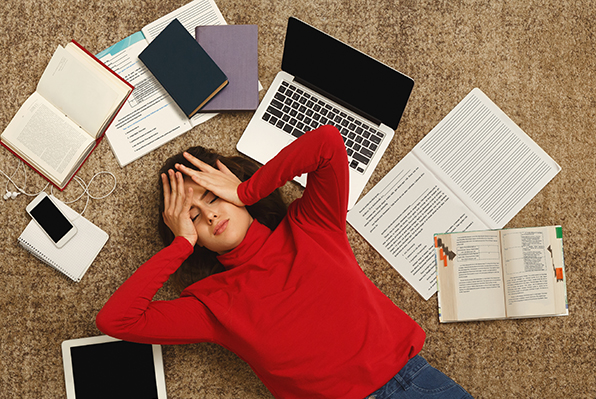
(220,181)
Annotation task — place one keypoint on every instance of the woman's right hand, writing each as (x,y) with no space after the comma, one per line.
(219,180)
(177,202)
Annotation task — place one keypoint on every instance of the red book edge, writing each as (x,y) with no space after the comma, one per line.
(97,141)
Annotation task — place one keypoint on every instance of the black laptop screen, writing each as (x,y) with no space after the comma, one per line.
(345,74)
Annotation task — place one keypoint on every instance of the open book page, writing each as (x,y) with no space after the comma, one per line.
(43,137)
(78,91)
(470,277)
(193,14)
(555,250)
(486,159)
(529,271)
(109,79)
(400,216)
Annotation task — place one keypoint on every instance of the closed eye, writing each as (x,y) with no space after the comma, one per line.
(215,197)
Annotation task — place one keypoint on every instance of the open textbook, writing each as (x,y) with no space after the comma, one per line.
(151,118)
(499,274)
(474,171)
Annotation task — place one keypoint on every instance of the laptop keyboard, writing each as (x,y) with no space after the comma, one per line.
(295,112)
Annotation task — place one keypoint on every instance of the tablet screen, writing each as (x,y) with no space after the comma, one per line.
(115,369)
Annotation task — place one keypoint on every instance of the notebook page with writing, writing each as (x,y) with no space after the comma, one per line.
(75,257)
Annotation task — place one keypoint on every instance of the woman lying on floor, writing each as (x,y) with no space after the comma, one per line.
(284,291)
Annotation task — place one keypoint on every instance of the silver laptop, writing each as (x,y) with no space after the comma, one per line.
(326,82)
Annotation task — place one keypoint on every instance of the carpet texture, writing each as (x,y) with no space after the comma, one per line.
(535,59)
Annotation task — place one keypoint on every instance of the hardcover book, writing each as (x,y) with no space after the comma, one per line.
(183,68)
(234,48)
(59,125)
(152,118)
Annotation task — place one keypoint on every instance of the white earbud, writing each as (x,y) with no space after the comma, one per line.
(11,195)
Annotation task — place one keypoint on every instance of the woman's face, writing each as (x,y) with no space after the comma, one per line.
(221,225)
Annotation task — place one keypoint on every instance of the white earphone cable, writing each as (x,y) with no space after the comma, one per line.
(14,194)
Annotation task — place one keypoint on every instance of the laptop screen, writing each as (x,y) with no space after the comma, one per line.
(344,74)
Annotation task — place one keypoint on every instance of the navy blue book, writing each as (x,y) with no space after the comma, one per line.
(183,68)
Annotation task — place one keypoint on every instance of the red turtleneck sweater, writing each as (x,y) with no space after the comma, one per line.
(293,302)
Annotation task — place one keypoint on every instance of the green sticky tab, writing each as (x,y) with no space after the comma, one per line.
(559,232)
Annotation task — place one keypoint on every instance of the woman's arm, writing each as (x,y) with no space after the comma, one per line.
(132,315)
(322,154)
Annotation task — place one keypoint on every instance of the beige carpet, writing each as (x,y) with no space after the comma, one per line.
(535,59)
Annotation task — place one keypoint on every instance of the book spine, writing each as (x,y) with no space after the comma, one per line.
(33,251)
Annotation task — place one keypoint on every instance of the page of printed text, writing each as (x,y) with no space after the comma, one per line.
(400,216)
(47,139)
(478,276)
(529,274)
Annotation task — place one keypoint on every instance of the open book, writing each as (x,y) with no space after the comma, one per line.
(474,171)
(498,274)
(59,125)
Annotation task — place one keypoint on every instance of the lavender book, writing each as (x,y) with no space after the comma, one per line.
(234,50)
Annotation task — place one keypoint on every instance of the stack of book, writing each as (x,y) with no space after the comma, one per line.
(155,114)
(215,72)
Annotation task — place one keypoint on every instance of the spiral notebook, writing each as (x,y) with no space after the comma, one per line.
(75,257)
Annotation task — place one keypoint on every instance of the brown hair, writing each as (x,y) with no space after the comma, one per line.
(202,263)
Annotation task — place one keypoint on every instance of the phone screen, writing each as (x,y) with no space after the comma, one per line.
(51,219)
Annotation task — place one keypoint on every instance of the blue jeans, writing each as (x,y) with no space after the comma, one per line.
(418,379)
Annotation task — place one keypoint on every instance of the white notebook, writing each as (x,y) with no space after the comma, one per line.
(75,257)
